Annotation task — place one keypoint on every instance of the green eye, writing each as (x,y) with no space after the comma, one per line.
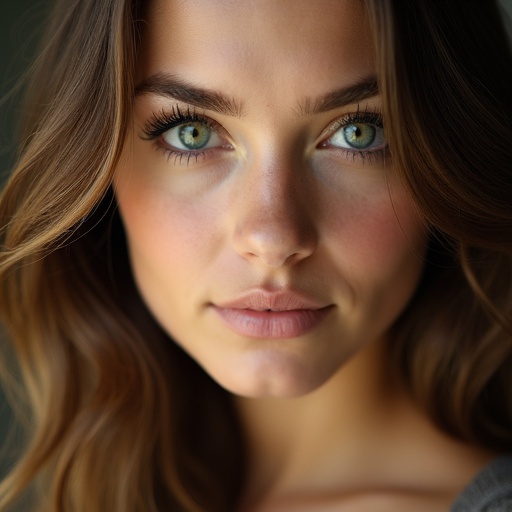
(359,136)
(194,135)
(191,137)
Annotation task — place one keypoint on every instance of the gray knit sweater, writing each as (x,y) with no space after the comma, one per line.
(490,491)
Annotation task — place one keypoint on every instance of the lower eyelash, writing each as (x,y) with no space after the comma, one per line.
(159,124)
(180,157)
(374,156)
(363,117)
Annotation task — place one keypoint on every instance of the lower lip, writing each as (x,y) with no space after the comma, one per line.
(272,324)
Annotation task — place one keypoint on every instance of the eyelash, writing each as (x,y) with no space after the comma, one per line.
(369,117)
(164,121)
(158,124)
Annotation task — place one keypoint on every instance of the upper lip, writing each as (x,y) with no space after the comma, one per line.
(262,300)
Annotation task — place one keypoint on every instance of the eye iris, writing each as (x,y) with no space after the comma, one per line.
(359,135)
(194,135)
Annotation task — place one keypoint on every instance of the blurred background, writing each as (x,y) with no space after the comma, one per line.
(21,22)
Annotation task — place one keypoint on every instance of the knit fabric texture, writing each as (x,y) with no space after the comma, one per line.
(490,491)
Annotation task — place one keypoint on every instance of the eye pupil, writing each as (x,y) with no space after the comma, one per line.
(194,135)
(359,135)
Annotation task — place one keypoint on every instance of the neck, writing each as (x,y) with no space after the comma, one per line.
(358,431)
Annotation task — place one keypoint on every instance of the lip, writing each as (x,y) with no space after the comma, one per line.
(272,315)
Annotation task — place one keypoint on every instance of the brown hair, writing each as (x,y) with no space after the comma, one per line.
(445,71)
(118,410)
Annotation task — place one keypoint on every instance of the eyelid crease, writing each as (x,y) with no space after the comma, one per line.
(158,124)
(366,116)
(373,118)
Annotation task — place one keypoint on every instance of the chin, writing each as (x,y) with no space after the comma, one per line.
(270,374)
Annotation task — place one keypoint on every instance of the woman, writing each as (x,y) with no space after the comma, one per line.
(228,290)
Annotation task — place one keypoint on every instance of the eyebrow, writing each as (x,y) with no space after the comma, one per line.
(164,84)
(362,90)
(168,85)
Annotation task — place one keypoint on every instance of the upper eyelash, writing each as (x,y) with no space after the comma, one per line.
(160,123)
(364,116)
(360,116)
(164,121)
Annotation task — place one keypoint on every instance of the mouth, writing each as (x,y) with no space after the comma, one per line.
(272,315)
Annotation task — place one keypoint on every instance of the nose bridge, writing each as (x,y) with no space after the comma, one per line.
(272,223)
(274,191)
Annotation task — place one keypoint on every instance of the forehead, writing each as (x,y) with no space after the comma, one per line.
(284,46)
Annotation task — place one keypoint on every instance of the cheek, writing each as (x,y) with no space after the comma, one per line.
(382,235)
(170,239)
(378,247)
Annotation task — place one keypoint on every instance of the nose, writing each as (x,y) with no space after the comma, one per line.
(273,218)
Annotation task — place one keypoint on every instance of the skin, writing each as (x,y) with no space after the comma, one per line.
(275,212)
(272,207)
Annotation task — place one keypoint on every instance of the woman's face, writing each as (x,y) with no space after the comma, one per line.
(267,231)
